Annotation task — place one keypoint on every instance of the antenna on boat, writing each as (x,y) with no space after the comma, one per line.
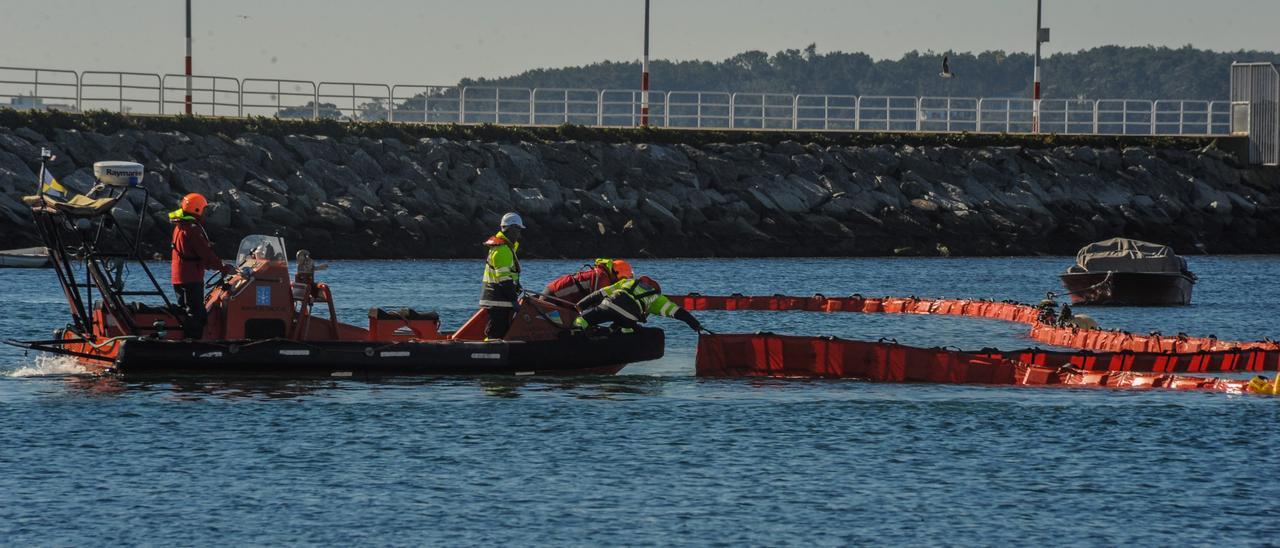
(46,156)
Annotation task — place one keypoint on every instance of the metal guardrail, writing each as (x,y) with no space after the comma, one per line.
(210,95)
(354,101)
(143,93)
(40,88)
(131,92)
(279,98)
(621,107)
(426,104)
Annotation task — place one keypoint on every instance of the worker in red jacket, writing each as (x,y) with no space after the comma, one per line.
(603,273)
(192,255)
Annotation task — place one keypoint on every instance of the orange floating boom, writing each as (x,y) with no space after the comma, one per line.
(1122,359)
(1235,355)
(769,355)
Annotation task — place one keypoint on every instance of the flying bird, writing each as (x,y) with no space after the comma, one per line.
(946,68)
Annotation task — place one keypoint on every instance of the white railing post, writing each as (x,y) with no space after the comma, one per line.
(981,110)
(919,113)
(733,110)
(795,112)
(698,112)
(1182,117)
(857,113)
(533,95)
(462,100)
(1152,117)
(826,113)
(948,115)
(666,109)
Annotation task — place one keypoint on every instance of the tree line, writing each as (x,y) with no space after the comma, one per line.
(1107,72)
(1103,72)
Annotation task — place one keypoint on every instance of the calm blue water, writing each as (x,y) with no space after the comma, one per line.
(652,456)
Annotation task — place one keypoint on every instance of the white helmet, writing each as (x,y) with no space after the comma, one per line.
(511,219)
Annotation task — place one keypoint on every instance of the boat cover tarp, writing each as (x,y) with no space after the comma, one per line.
(1126,255)
(78,206)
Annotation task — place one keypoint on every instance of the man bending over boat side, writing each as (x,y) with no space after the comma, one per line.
(629,303)
(192,255)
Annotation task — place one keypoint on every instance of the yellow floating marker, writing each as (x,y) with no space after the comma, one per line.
(1265,386)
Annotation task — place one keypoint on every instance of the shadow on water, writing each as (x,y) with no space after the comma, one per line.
(199,389)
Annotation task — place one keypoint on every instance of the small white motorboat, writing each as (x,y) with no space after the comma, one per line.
(27,257)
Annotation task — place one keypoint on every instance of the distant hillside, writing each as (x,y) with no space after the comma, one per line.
(1104,72)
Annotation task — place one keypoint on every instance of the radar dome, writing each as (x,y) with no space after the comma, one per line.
(118,173)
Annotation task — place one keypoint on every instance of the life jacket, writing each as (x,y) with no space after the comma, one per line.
(501,266)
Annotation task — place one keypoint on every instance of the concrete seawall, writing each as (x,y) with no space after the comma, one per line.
(363,197)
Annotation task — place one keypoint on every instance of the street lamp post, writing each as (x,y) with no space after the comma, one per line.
(644,71)
(188,63)
(1042,36)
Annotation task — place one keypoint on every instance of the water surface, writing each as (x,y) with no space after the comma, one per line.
(654,455)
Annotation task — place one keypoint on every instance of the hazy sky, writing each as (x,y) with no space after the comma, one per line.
(438,42)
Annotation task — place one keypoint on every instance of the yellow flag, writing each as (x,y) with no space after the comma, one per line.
(51,186)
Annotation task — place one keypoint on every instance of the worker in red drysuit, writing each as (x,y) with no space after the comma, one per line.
(574,287)
(192,255)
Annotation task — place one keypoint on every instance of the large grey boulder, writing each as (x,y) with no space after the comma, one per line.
(333,216)
(531,201)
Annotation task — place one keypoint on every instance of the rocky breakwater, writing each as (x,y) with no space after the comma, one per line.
(358,197)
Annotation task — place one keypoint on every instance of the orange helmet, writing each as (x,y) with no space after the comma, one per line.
(622,269)
(194,204)
(647,281)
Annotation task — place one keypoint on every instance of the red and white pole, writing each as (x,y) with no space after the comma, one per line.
(188,101)
(1035,84)
(644,72)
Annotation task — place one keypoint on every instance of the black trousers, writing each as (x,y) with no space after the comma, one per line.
(599,315)
(191,301)
(499,321)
